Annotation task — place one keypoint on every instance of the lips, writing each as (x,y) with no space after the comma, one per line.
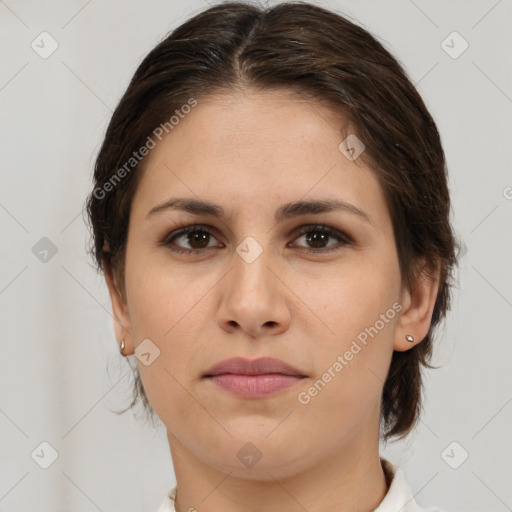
(261,366)
(254,379)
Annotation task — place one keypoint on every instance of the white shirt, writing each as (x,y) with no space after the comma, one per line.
(399,497)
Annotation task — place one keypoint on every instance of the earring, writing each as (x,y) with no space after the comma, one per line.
(121,348)
(409,338)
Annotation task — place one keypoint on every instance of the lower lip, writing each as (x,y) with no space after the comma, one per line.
(255,386)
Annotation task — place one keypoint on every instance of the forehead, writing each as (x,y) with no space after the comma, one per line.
(254,149)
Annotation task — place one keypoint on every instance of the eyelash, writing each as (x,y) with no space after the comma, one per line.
(186,229)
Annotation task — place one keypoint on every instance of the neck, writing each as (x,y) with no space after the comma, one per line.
(350,479)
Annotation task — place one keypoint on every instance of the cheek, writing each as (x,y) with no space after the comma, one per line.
(352,365)
(170,308)
(353,296)
(161,294)
(360,308)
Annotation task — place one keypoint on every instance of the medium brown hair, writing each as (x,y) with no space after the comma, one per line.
(324,57)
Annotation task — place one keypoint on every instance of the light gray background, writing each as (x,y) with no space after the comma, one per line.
(56,330)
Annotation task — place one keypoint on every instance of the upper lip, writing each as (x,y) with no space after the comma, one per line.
(260,366)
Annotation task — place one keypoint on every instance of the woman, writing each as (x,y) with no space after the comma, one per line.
(271,213)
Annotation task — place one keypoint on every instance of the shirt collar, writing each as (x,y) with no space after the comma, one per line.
(399,497)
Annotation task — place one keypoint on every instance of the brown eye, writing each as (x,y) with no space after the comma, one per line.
(318,237)
(190,239)
(198,239)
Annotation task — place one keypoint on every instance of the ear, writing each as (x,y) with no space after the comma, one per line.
(417,308)
(122,324)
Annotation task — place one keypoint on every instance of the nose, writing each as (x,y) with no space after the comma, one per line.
(254,299)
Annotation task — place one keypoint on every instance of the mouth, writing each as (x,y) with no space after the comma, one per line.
(256,378)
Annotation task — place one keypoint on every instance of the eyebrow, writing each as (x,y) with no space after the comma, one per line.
(284,212)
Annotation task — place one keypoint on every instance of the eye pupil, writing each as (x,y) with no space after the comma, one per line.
(318,239)
(202,237)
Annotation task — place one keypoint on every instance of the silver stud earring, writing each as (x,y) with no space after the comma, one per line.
(409,338)
(121,348)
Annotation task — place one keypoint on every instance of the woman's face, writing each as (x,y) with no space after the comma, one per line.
(328,303)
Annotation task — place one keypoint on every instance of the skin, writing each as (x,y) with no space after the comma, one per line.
(251,152)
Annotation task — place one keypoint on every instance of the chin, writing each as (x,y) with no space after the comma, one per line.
(254,457)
